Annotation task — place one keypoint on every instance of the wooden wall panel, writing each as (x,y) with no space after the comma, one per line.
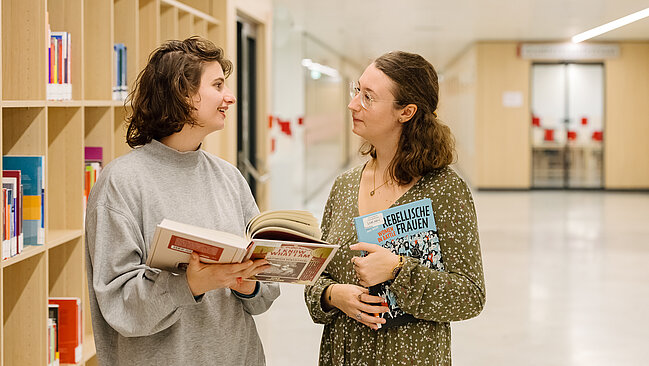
(626,129)
(502,133)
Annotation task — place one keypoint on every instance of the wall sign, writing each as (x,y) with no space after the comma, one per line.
(568,51)
(512,99)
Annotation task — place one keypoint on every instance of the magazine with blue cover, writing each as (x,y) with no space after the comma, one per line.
(407,230)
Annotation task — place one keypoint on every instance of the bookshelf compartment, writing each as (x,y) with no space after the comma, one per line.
(89,350)
(64,173)
(24,315)
(149,30)
(213,32)
(23,131)
(126,32)
(185,25)
(23,28)
(98,50)
(65,265)
(98,130)
(66,16)
(200,27)
(119,131)
(168,22)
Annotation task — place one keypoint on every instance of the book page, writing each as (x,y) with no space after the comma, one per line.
(283,233)
(302,221)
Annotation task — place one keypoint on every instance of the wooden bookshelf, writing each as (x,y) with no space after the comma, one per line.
(59,130)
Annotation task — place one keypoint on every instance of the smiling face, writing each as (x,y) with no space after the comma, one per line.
(212,99)
(380,122)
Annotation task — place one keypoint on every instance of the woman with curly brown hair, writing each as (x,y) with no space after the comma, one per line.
(393,108)
(144,316)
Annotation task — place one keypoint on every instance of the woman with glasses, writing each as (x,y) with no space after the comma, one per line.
(393,108)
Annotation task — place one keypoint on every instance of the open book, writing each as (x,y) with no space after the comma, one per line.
(288,239)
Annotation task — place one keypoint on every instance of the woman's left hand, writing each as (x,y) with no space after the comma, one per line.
(376,267)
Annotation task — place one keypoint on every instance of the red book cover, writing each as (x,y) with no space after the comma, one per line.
(70,342)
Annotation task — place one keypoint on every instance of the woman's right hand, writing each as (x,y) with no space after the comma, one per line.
(358,304)
(203,277)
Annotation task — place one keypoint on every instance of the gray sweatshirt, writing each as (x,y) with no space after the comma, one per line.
(143,316)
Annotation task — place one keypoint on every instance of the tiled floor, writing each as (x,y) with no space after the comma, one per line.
(567,277)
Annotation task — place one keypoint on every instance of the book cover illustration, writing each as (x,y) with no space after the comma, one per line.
(291,262)
(407,230)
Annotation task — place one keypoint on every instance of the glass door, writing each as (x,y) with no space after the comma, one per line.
(567,125)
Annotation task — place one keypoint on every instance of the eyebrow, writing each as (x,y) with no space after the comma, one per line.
(366,89)
(218,79)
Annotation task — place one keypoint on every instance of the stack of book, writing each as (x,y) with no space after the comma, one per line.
(67,338)
(58,70)
(23,189)
(12,237)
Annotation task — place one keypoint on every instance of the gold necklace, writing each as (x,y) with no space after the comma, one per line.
(374,182)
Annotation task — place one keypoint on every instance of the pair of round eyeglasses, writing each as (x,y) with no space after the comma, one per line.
(366,98)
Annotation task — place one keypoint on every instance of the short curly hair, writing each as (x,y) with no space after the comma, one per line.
(425,144)
(161,100)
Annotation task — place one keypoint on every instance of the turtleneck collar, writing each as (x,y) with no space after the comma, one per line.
(173,156)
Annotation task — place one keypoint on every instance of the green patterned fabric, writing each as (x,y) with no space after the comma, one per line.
(434,298)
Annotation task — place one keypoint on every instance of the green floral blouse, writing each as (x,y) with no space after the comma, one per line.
(435,298)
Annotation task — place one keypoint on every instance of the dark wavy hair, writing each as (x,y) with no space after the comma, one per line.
(162,97)
(425,144)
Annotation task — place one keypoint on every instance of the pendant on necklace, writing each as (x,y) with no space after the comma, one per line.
(371,193)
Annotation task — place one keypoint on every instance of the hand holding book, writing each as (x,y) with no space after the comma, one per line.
(203,277)
(357,303)
(376,266)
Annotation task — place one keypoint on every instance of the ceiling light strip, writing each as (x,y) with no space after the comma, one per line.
(610,26)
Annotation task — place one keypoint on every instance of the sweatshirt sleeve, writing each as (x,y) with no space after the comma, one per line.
(458,292)
(261,300)
(133,299)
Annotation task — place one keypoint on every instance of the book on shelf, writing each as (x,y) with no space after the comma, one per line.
(10,227)
(33,191)
(120,87)
(70,328)
(17,248)
(93,156)
(288,239)
(408,230)
(53,356)
(6,244)
(59,85)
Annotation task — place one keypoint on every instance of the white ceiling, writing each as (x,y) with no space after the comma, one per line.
(440,30)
